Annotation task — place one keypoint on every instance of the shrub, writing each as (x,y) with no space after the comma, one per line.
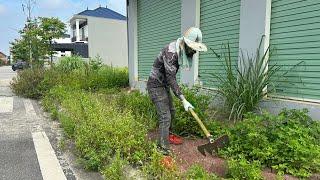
(286,142)
(197,172)
(243,169)
(95,63)
(184,123)
(107,77)
(67,64)
(26,84)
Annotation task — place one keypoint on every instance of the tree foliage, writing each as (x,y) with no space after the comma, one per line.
(34,42)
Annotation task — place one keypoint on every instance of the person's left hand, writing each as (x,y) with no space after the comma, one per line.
(186,105)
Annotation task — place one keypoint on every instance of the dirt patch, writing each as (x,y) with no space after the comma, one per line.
(187,155)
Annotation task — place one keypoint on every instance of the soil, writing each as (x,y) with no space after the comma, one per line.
(187,155)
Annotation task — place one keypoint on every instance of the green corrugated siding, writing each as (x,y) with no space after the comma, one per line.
(159,23)
(295,34)
(220,24)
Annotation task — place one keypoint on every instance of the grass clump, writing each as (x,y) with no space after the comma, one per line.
(243,86)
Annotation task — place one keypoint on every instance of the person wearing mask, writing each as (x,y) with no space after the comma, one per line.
(163,78)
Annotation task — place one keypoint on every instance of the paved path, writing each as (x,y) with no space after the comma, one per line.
(29,141)
(20,126)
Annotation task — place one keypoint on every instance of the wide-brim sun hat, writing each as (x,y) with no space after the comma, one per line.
(193,38)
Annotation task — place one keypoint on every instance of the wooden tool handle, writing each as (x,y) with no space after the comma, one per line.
(204,129)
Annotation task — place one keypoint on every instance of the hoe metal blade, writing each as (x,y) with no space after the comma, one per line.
(214,146)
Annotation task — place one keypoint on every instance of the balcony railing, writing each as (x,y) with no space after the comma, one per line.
(74,39)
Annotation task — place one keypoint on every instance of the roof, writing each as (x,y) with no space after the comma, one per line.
(103,13)
(1,53)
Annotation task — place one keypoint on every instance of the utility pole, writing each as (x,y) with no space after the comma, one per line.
(27,7)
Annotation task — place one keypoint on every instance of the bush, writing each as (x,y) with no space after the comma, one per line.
(67,64)
(107,77)
(95,63)
(26,84)
(243,169)
(288,143)
(184,123)
(197,172)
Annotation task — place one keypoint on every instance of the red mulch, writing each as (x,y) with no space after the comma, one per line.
(187,154)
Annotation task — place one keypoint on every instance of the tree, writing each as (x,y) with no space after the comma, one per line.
(36,39)
(51,28)
(19,50)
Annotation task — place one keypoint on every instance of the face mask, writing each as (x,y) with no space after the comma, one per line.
(189,51)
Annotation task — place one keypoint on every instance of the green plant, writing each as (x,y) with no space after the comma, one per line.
(154,169)
(62,144)
(287,143)
(95,63)
(184,123)
(107,77)
(115,170)
(197,172)
(240,168)
(27,82)
(244,86)
(140,105)
(67,64)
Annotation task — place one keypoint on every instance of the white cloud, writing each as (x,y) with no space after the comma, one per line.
(3,9)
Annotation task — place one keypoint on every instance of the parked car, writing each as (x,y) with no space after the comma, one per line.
(19,65)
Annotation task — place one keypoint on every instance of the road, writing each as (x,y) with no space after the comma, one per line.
(29,141)
(22,144)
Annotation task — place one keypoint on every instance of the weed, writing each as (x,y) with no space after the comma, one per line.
(242,169)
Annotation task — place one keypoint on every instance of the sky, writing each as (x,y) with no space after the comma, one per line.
(12,17)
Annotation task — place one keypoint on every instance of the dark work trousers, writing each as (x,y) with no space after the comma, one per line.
(162,99)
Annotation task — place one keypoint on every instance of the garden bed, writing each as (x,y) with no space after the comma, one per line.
(187,155)
(109,127)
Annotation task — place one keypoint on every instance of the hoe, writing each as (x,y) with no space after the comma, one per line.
(214,144)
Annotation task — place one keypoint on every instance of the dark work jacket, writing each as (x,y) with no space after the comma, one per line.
(164,70)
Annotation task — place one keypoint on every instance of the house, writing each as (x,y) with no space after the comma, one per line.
(100,32)
(65,39)
(291,27)
(105,32)
(3,58)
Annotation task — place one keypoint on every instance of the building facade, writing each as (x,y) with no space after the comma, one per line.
(104,32)
(291,28)
(3,58)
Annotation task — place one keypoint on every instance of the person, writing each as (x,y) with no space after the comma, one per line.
(163,78)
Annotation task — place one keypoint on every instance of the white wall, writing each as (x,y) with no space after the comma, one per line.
(108,39)
(132,43)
